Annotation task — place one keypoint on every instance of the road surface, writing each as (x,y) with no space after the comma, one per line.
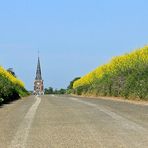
(71,122)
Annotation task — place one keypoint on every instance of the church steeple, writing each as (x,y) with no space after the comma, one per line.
(38,71)
(38,83)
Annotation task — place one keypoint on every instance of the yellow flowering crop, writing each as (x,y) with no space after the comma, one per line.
(10,77)
(117,64)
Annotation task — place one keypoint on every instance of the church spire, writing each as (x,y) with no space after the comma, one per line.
(38,83)
(38,71)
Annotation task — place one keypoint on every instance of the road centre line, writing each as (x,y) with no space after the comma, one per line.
(22,133)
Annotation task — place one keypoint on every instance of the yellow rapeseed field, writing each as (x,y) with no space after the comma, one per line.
(10,77)
(117,64)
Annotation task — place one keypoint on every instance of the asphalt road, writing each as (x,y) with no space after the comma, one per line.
(72,122)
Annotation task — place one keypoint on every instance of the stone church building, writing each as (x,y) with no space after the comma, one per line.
(38,83)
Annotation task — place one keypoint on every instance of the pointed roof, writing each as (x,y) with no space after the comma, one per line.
(38,71)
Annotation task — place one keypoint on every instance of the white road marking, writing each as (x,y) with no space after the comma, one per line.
(123,121)
(22,133)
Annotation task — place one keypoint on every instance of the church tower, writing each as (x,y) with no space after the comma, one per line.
(38,83)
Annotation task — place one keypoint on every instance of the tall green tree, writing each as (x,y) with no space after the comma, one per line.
(72,82)
(49,90)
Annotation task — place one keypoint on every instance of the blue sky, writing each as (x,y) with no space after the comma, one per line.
(73,36)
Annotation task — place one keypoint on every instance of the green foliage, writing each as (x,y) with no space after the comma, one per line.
(125,76)
(48,90)
(10,91)
(70,87)
(60,91)
(72,82)
(10,70)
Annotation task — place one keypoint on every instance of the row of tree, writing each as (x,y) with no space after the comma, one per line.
(69,89)
(50,90)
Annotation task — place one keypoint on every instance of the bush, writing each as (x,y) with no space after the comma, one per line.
(10,87)
(125,75)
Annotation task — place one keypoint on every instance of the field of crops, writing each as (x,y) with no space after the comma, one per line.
(125,76)
(10,87)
